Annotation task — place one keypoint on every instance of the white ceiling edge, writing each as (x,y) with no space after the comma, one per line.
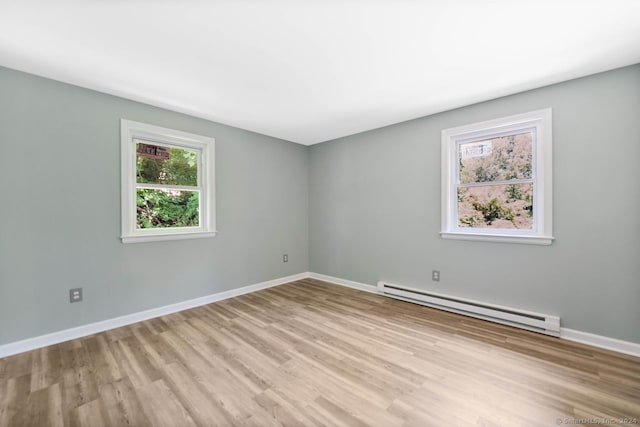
(401,117)
(311,71)
(471,100)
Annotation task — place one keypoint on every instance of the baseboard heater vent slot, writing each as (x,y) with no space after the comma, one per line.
(543,323)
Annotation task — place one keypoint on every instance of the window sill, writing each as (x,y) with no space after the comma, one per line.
(161,237)
(499,238)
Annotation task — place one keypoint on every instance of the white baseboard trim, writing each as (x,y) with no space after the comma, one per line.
(93,328)
(613,344)
(344,282)
(10,349)
(599,341)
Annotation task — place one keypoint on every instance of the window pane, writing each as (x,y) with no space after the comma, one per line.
(157,164)
(496,206)
(496,159)
(166,208)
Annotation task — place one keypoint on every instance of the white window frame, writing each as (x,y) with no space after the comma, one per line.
(129,132)
(538,122)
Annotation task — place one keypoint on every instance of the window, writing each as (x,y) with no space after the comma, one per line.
(167,184)
(496,180)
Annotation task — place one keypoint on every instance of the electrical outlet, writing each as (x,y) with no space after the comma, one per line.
(285,258)
(75,295)
(435,275)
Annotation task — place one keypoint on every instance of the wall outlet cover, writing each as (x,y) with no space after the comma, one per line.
(75,295)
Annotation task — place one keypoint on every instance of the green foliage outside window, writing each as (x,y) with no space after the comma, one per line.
(493,210)
(496,203)
(180,169)
(168,207)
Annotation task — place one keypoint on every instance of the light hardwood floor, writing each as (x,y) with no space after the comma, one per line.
(311,353)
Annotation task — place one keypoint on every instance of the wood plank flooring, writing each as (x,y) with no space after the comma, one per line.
(310,353)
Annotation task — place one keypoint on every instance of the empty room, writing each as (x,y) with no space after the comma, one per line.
(319,213)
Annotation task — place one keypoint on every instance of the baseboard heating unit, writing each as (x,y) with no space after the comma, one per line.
(543,323)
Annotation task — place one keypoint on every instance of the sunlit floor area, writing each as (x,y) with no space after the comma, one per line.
(310,353)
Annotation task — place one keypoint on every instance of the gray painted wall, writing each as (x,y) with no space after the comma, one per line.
(375,209)
(364,208)
(60,211)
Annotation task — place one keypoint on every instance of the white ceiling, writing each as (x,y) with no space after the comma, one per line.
(313,70)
